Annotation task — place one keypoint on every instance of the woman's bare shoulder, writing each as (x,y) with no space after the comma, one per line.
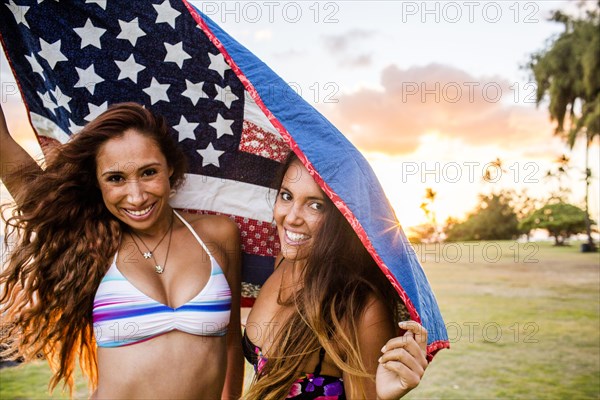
(212,227)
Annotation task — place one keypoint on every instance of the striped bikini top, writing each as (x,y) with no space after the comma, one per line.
(123,315)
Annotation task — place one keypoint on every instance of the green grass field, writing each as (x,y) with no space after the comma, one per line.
(523,321)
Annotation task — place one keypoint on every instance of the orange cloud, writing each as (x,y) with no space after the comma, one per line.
(442,99)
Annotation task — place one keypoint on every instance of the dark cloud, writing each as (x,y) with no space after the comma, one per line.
(362,60)
(339,44)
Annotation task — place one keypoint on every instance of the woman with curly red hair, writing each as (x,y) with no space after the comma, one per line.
(102,268)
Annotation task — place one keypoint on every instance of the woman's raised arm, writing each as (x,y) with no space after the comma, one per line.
(14,160)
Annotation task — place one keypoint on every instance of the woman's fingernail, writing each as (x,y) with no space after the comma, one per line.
(383,349)
(379,360)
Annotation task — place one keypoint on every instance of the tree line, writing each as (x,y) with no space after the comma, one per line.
(566,74)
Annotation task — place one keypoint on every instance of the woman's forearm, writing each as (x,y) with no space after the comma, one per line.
(15,162)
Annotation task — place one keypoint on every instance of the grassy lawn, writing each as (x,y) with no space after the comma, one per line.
(523,321)
(30,381)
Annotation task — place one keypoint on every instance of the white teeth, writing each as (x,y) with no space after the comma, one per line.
(296,237)
(139,213)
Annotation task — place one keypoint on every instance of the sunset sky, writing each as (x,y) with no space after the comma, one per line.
(430,92)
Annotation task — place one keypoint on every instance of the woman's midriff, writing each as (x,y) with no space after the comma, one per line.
(172,365)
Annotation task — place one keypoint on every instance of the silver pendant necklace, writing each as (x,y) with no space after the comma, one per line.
(159,269)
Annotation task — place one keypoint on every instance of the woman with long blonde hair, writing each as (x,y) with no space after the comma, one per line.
(103,270)
(324,323)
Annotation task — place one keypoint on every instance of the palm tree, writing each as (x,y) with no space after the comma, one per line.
(567,73)
(430,214)
(498,166)
(560,175)
(430,195)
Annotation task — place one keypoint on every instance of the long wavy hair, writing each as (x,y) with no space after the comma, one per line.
(338,280)
(61,237)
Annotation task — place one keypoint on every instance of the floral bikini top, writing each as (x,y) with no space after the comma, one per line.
(309,387)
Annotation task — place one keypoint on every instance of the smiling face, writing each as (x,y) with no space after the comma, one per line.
(133,176)
(299,210)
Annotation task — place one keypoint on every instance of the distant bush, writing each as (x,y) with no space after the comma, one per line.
(561,220)
(493,219)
